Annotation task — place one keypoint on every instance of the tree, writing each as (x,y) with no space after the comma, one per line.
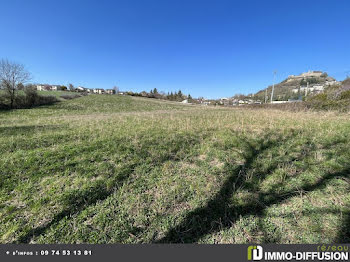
(11,76)
(155,91)
(71,87)
(189,98)
(175,95)
(20,86)
(180,95)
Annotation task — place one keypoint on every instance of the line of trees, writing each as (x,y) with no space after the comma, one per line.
(154,93)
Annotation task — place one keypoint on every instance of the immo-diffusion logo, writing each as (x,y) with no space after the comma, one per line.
(255,253)
(330,253)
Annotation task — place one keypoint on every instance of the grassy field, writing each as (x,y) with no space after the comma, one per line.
(112,169)
(55,93)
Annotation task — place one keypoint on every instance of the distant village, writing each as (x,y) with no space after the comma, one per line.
(46,87)
(153,94)
(296,87)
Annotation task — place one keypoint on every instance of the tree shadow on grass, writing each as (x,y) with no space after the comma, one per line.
(77,200)
(219,213)
(344,232)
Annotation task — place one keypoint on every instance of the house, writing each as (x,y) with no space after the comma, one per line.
(110,91)
(331,82)
(185,101)
(81,89)
(224,101)
(318,88)
(40,87)
(205,102)
(98,91)
(45,87)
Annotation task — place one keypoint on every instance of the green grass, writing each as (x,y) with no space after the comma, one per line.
(118,169)
(55,93)
(46,93)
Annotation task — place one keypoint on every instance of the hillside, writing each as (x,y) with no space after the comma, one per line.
(289,88)
(335,97)
(118,169)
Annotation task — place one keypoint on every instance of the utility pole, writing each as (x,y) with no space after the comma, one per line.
(273,85)
(266,95)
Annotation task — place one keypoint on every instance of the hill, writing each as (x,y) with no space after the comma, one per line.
(316,81)
(334,97)
(119,169)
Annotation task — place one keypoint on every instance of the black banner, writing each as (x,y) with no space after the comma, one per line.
(177,252)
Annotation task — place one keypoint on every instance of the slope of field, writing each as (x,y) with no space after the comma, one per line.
(112,169)
(56,93)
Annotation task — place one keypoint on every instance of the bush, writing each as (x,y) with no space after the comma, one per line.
(345,95)
(46,100)
(29,98)
(3,104)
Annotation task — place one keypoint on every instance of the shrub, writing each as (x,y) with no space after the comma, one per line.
(46,100)
(31,96)
(3,104)
(27,99)
(345,95)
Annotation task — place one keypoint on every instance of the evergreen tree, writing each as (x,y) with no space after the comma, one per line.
(180,95)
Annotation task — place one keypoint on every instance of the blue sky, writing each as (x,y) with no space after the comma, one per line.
(206,48)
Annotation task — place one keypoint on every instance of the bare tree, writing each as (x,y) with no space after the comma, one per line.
(12,76)
(71,87)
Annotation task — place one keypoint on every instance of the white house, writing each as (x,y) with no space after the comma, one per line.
(305,89)
(98,91)
(110,91)
(40,87)
(81,89)
(318,87)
